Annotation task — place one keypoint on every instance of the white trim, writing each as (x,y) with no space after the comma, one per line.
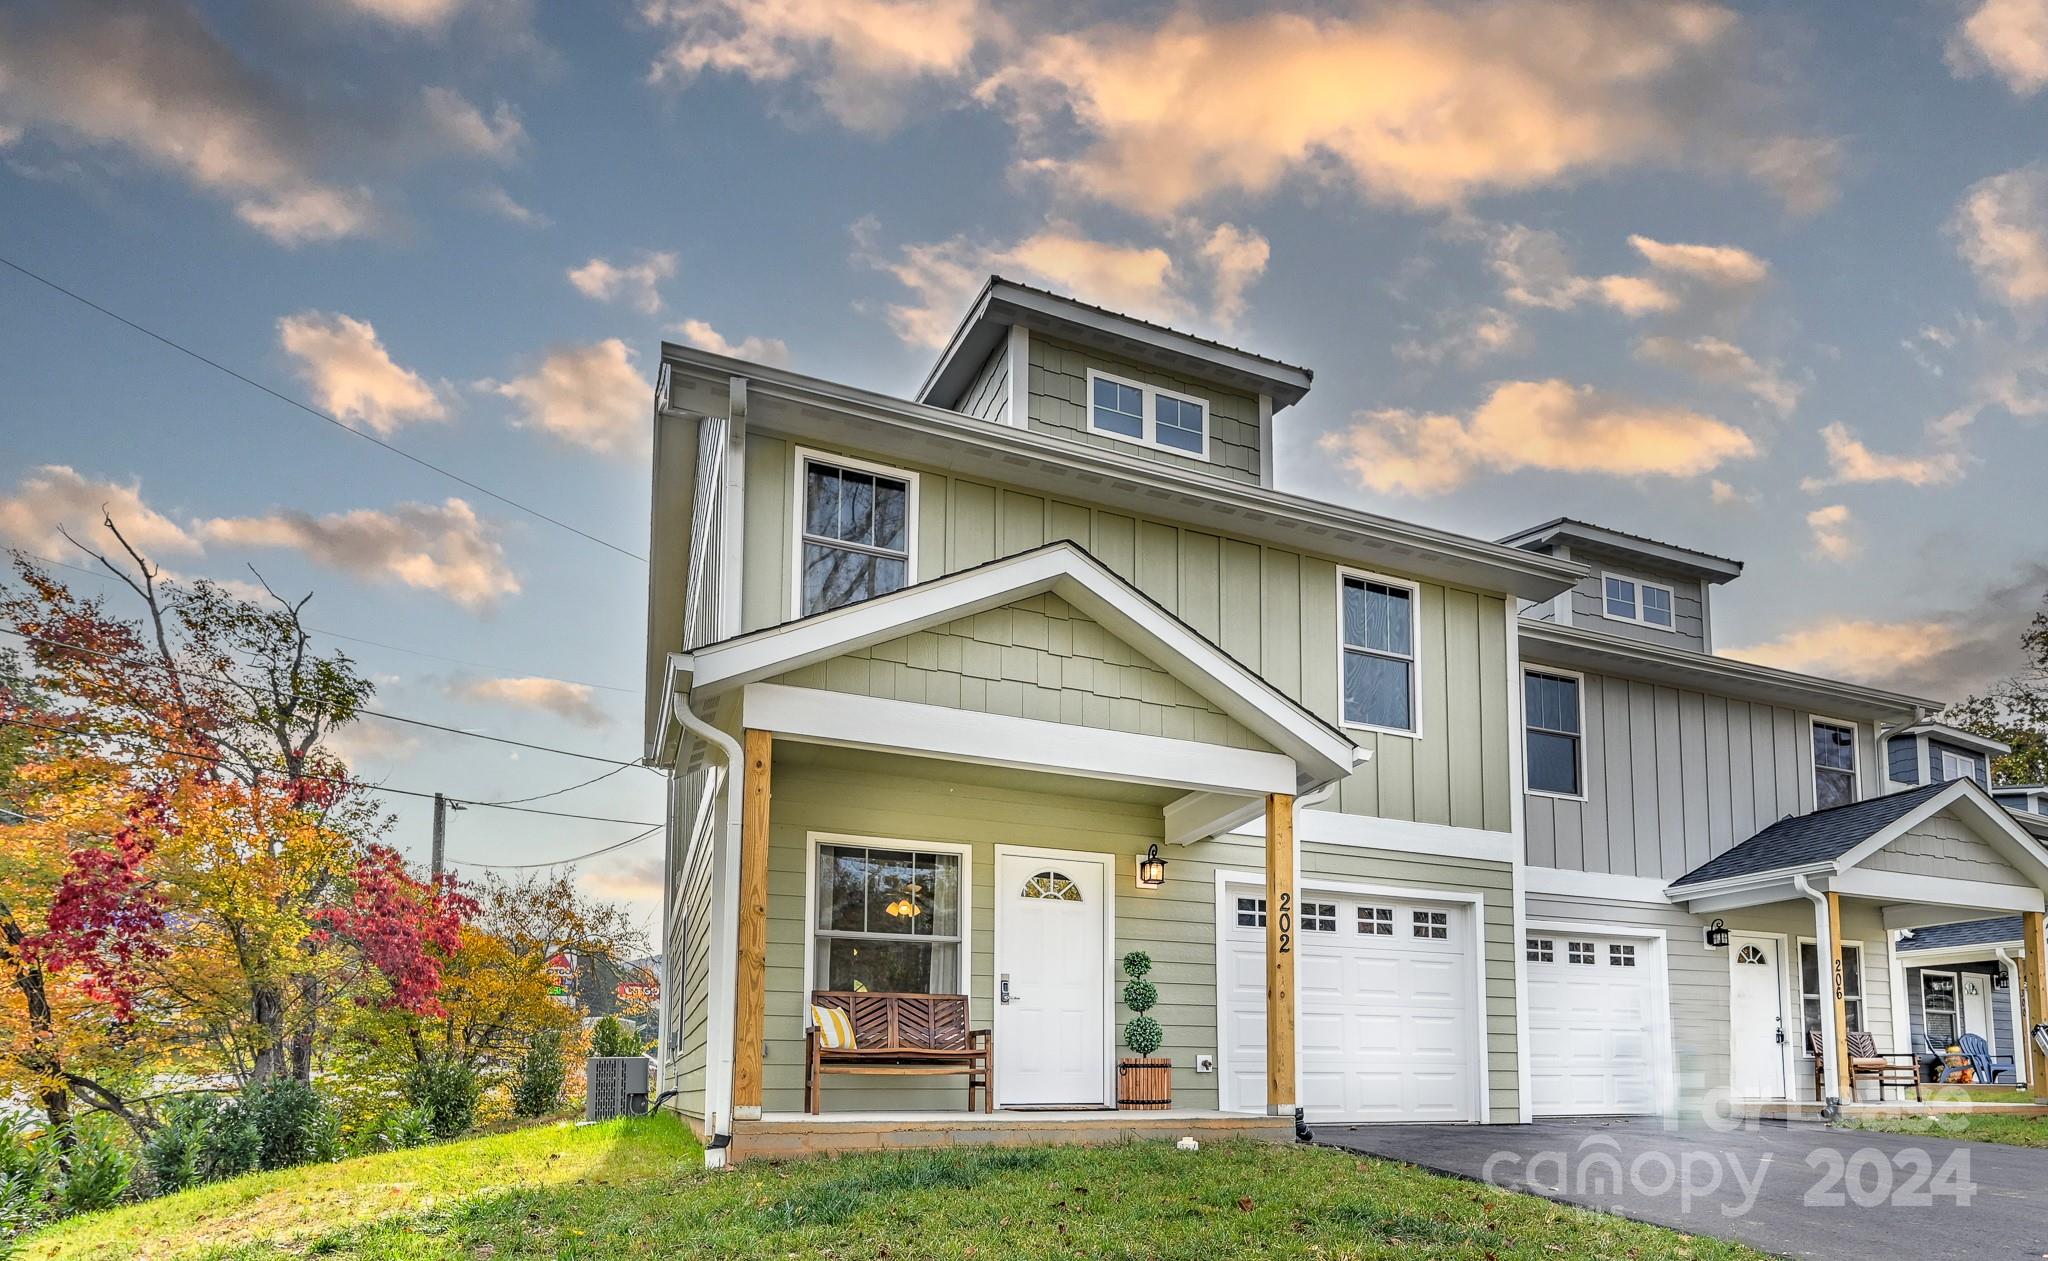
(1664,1058)
(1474,902)
(1986,952)
(1338,829)
(1267,455)
(800,459)
(732,495)
(1600,885)
(1899,886)
(1018,345)
(1518,872)
(1109,863)
(964,735)
(1414,730)
(815,838)
(1956,986)
(1638,584)
(1148,417)
(1062,568)
(1895,977)
(1855,731)
(1579,742)
(1788,1055)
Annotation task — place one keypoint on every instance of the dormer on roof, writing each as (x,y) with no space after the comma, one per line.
(1639,588)
(1025,356)
(2029,799)
(1931,752)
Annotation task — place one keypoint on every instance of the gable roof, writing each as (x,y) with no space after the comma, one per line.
(1808,840)
(1979,932)
(1321,752)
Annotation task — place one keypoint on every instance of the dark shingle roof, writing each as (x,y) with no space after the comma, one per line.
(1980,932)
(1806,839)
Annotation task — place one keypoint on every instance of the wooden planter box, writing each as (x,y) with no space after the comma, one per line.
(1144,1085)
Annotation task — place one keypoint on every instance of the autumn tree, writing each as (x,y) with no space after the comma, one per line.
(2015,710)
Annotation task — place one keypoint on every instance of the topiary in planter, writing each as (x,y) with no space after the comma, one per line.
(1143,1033)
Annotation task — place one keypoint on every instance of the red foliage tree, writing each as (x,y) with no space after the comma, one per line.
(404,928)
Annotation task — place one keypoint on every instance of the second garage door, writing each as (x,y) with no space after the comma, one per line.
(1387,1016)
(1593,1027)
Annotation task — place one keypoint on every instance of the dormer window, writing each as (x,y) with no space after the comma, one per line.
(1638,601)
(1148,415)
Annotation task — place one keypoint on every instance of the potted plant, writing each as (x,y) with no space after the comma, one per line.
(1143,1083)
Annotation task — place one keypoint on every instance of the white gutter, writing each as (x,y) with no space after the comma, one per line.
(1830,1036)
(725,889)
(2020,1058)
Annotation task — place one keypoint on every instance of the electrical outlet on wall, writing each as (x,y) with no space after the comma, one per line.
(1205,1063)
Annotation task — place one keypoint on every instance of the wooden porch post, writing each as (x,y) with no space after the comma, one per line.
(2034,983)
(1841,997)
(751,1018)
(1280,910)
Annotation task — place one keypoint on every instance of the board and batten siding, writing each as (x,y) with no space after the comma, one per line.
(1674,777)
(1059,404)
(1589,604)
(895,797)
(1273,609)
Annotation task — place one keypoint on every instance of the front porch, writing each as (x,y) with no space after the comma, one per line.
(785,1135)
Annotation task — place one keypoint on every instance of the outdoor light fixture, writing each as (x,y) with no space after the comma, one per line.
(1717,935)
(1151,869)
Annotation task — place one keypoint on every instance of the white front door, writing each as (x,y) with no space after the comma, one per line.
(1386,1015)
(1756,1013)
(1052,979)
(1593,1023)
(1976,988)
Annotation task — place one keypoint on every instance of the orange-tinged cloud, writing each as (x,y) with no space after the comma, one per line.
(1850,461)
(351,373)
(1854,648)
(1545,425)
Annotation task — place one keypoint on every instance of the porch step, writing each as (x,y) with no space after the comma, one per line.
(786,1136)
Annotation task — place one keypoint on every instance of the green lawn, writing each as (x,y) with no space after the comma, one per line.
(2015,1131)
(637,1189)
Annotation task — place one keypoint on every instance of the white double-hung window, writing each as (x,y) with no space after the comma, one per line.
(1377,643)
(854,523)
(1147,414)
(887,918)
(1834,764)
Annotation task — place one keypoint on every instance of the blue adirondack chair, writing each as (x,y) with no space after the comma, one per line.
(1988,1066)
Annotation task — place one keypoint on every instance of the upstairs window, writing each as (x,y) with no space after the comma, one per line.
(1147,414)
(1948,764)
(1553,714)
(855,522)
(1379,636)
(1834,764)
(1635,600)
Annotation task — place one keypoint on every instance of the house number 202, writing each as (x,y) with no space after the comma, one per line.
(1286,923)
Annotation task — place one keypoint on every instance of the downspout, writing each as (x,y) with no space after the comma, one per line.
(2019,1016)
(1830,1037)
(718,1103)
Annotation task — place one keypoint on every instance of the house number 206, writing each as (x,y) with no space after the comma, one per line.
(1286,923)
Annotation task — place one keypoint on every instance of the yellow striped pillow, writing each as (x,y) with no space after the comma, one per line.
(835,1030)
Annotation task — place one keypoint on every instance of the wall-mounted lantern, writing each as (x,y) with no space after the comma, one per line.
(1151,869)
(1717,936)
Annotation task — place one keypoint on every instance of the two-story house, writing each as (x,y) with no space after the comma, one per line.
(942,680)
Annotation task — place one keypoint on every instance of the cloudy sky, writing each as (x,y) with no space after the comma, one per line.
(1761,280)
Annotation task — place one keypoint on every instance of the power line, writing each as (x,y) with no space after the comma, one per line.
(514,801)
(613,762)
(97,576)
(310,410)
(327,779)
(559,862)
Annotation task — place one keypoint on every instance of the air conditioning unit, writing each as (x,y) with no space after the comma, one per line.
(614,1086)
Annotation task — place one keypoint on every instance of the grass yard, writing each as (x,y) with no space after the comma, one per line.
(637,1189)
(2013,1131)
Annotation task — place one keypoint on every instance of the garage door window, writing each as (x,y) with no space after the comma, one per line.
(1621,956)
(1251,912)
(1432,925)
(1542,950)
(1319,917)
(1376,921)
(1581,952)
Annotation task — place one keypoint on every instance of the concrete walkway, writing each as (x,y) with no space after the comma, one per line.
(1793,1189)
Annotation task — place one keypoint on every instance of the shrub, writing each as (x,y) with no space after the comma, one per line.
(229,1145)
(27,1165)
(1143,1035)
(100,1172)
(447,1090)
(291,1122)
(405,1129)
(173,1155)
(613,1036)
(537,1090)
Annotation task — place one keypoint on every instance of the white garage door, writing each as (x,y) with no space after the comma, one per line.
(1387,1007)
(1592,1024)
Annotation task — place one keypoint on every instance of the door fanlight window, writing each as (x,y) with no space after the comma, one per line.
(1750,954)
(1051,886)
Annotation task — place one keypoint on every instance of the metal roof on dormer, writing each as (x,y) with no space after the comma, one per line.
(1671,556)
(1003,303)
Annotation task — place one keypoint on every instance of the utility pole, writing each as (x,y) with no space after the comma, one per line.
(441,808)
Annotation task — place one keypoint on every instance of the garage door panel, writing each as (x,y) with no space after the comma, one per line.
(1388,1023)
(1593,1027)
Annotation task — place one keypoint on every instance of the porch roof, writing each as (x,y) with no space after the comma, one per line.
(1801,841)
(1321,753)
(2003,931)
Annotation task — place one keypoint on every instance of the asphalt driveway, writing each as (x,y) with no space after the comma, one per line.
(1799,1190)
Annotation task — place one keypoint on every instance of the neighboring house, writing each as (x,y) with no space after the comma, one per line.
(933,674)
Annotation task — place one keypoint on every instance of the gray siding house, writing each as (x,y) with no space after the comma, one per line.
(941,679)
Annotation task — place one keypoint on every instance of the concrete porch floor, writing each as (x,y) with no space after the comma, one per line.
(782,1135)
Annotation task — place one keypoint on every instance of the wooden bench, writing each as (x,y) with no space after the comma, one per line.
(901,1035)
